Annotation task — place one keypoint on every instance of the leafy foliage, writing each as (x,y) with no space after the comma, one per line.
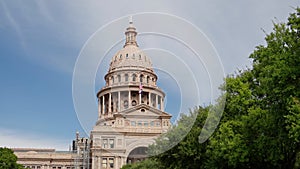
(260,126)
(8,160)
(148,163)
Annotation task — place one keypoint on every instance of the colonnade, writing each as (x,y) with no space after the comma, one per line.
(121,100)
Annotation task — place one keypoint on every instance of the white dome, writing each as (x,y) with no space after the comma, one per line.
(130,57)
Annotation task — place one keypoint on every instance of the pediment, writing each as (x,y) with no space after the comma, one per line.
(144,111)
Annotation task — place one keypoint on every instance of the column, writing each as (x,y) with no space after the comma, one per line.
(116,162)
(129,99)
(99,106)
(149,99)
(109,102)
(140,98)
(103,99)
(119,101)
(93,161)
(123,161)
(162,106)
(156,101)
(99,162)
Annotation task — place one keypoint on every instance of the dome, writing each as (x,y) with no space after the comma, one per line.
(131,56)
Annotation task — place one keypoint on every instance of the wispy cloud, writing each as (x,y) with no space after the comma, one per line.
(11,20)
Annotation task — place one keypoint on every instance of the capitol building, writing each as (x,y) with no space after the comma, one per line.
(130,116)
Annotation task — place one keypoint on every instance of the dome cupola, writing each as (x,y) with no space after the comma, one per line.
(130,56)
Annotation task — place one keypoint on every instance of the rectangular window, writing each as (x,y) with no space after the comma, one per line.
(104,143)
(119,78)
(104,162)
(132,123)
(139,123)
(111,162)
(152,123)
(111,143)
(157,124)
(146,124)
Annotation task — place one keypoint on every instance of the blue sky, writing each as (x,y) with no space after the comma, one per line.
(41,40)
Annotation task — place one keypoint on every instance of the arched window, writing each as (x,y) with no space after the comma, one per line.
(126,55)
(126,77)
(112,79)
(148,78)
(141,78)
(120,56)
(119,78)
(133,56)
(140,56)
(134,77)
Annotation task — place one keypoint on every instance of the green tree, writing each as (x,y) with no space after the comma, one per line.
(146,164)
(188,152)
(261,124)
(277,73)
(228,147)
(8,160)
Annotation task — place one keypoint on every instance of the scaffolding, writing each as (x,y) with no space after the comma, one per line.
(81,150)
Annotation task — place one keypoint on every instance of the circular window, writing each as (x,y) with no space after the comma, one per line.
(133,103)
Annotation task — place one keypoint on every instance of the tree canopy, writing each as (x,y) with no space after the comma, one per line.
(8,160)
(260,126)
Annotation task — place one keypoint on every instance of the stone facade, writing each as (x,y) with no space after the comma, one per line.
(45,158)
(130,116)
(78,157)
